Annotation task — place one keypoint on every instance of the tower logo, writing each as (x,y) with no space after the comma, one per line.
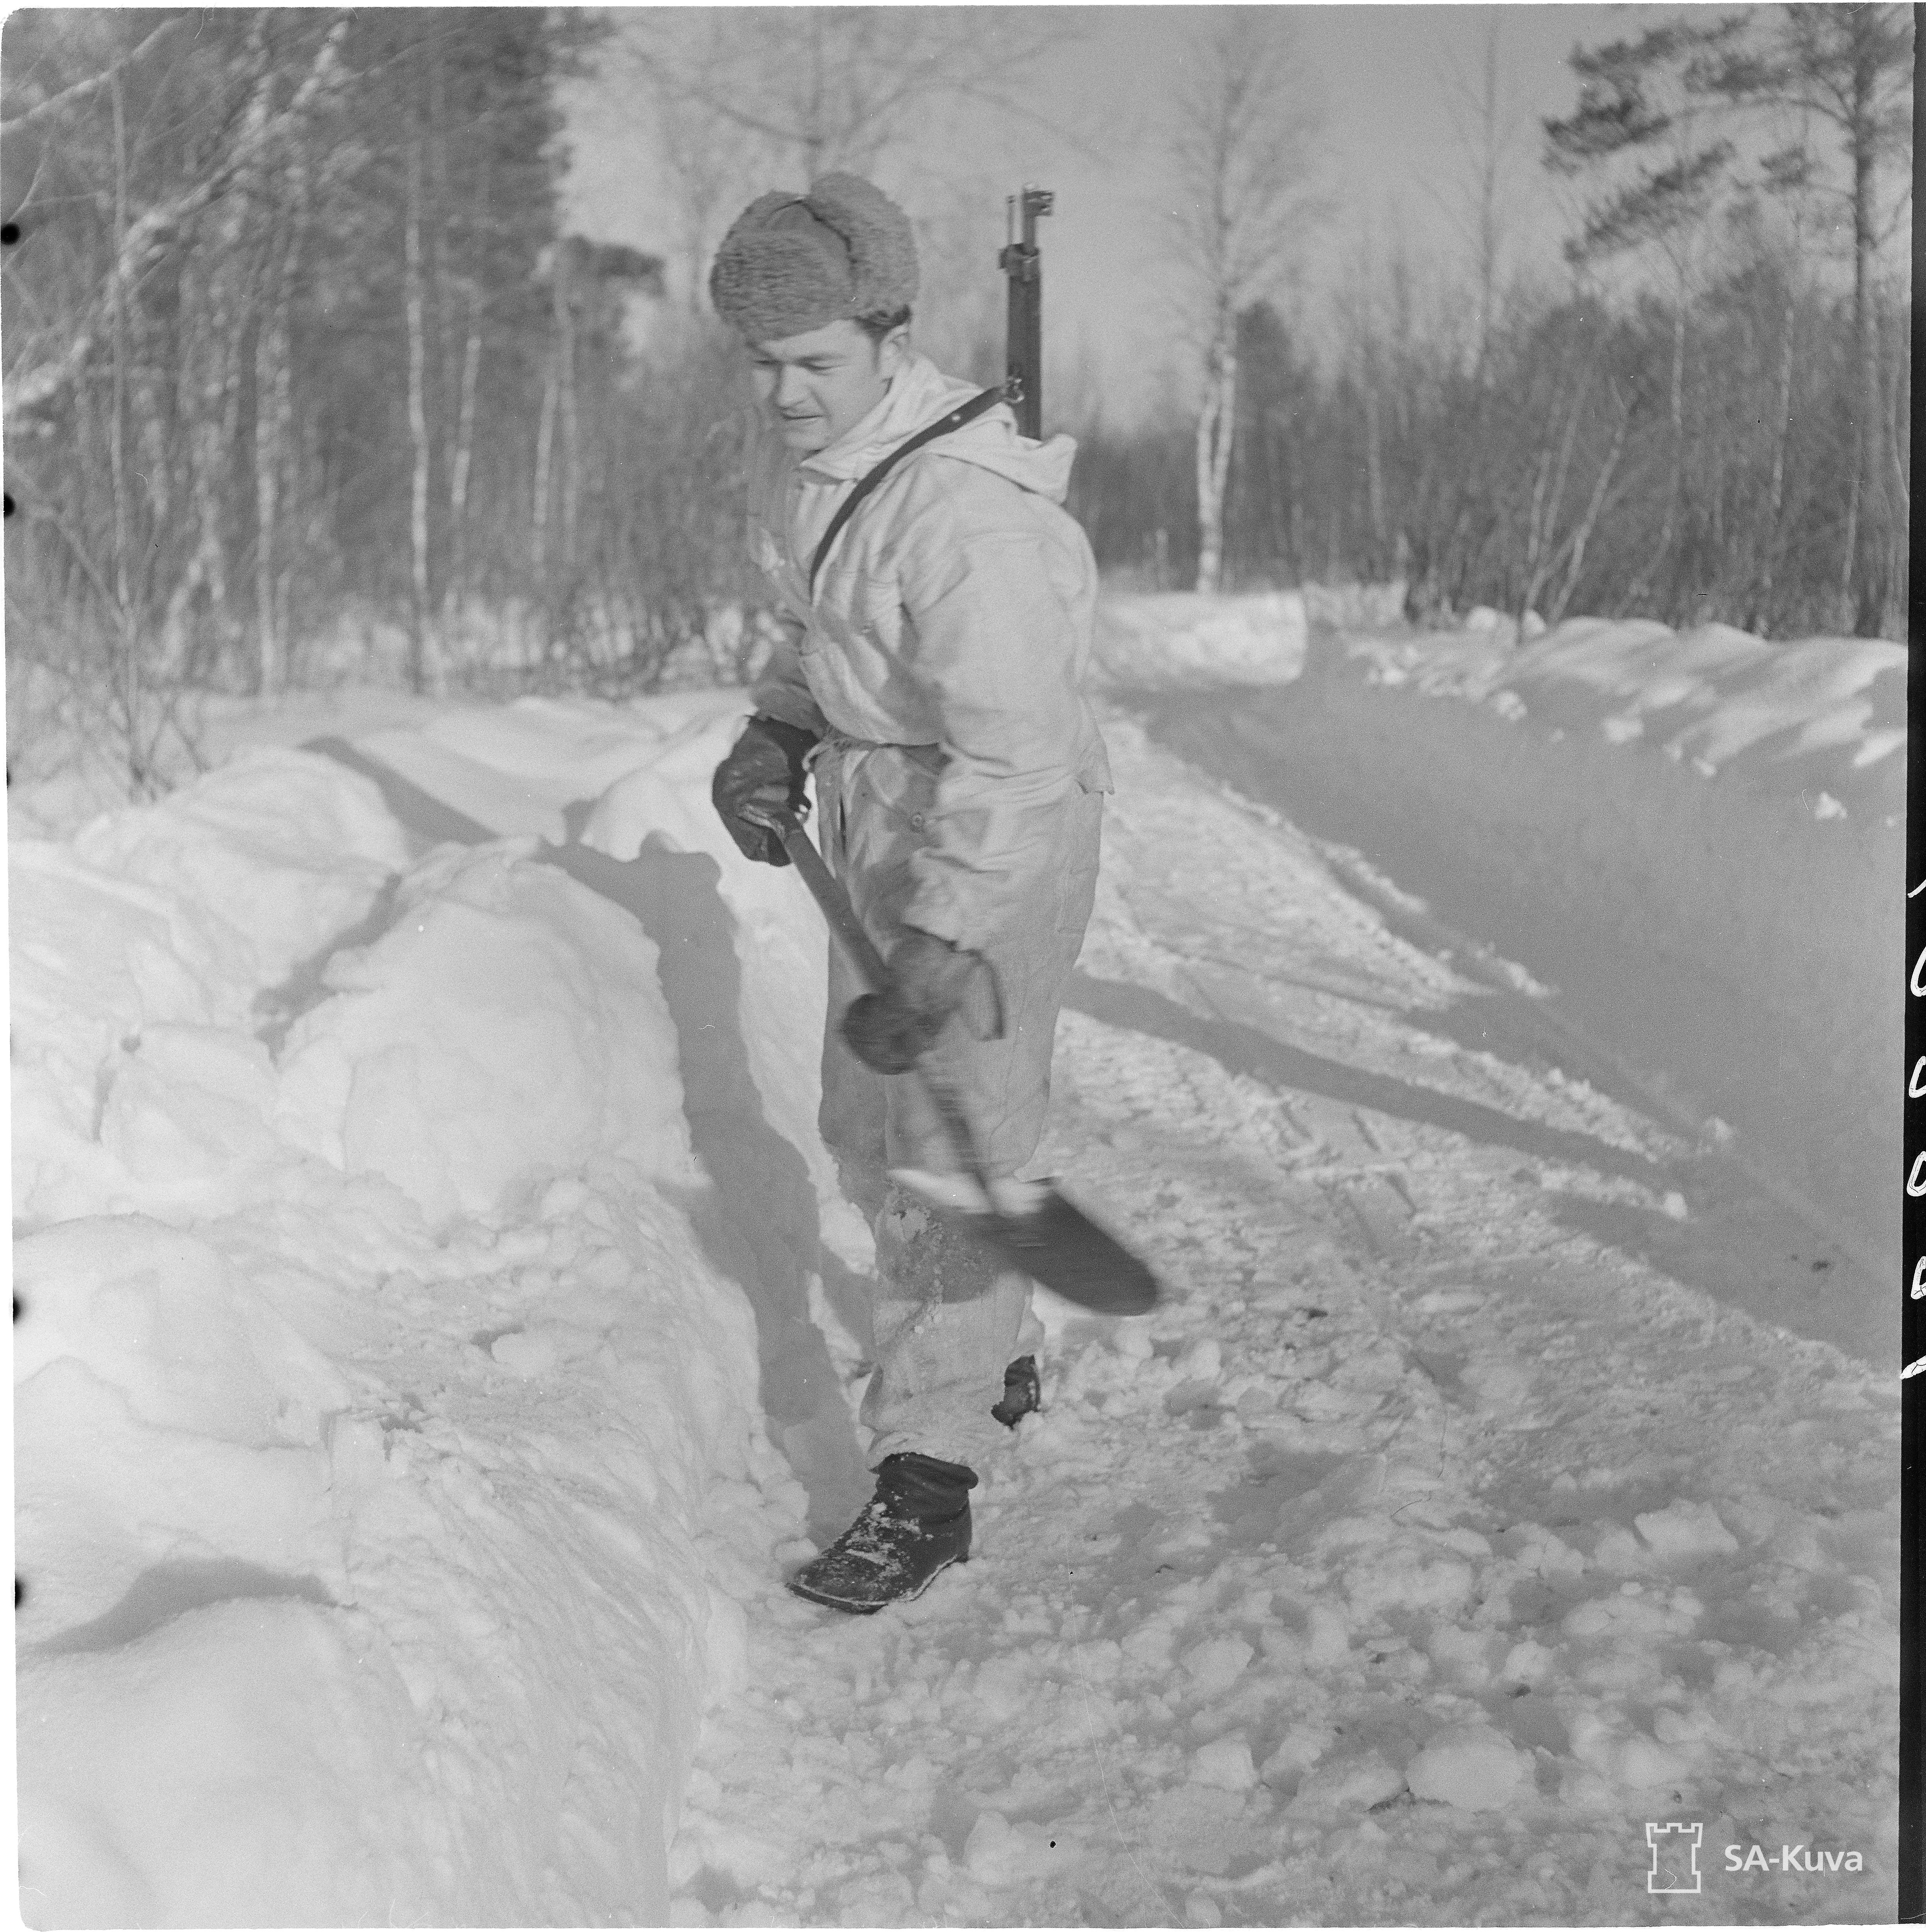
(1675,1857)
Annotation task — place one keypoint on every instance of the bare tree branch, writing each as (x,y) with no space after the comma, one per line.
(85,90)
(837,86)
(146,237)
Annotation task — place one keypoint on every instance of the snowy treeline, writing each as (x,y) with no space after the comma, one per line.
(1542,481)
(304,376)
(1707,421)
(298,350)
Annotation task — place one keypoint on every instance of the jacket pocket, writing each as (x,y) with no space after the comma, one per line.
(897,781)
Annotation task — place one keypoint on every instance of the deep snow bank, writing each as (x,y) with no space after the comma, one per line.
(1176,639)
(1794,719)
(389,1441)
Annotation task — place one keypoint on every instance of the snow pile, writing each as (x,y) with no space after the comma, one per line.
(1178,640)
(508,1026)
(389,1442)
(1354,606)
(1467,664)
(481,638)
(1482,619)
(1793,715)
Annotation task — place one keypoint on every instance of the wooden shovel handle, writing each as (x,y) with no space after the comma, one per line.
(826,890)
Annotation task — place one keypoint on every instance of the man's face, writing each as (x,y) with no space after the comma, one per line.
(816,386)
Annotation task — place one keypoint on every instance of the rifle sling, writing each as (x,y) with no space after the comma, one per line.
(968,412)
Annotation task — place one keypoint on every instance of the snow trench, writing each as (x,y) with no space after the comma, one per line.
(438,1322)
(415,1224)
(1419,1549)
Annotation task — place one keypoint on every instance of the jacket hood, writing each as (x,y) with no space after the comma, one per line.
(920,395)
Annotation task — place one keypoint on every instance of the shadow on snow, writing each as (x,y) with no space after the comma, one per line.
(758,1224)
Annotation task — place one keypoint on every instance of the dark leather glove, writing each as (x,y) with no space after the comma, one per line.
(765,768)
(929,980)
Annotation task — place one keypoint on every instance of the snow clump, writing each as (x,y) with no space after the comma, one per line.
(1471,1766)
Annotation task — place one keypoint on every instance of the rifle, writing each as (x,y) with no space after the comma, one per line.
(1023,263)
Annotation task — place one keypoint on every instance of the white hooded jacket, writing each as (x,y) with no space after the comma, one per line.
(953,614)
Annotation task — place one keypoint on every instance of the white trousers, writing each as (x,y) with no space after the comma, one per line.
(947,1320)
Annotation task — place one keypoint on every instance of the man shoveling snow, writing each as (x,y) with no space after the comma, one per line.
(929,673)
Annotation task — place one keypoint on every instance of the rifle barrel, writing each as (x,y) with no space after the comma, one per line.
(1022,261)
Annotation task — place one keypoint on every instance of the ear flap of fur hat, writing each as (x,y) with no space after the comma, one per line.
(791,263)
(882,245)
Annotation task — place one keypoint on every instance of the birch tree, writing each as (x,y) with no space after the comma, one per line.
(1244,199)
(276,326)
(156,306)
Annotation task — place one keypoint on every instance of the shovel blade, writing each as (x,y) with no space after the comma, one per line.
(1035,1230)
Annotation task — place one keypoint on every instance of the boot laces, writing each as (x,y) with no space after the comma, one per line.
(868,1538)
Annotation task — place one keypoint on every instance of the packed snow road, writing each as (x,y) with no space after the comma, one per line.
(1710,950)
(1420,1550)
(440,1332)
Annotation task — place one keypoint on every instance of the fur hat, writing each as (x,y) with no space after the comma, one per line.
(793,263)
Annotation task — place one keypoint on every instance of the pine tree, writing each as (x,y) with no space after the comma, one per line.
(1643,124)
(1850,67)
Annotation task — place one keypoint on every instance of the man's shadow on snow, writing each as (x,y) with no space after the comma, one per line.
(758,1224)
(1240,1048)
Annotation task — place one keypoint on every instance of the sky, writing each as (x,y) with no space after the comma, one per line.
(1390,153)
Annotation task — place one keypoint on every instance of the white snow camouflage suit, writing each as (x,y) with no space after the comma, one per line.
(960,787)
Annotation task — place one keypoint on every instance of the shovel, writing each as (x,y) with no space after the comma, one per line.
(1028,1225)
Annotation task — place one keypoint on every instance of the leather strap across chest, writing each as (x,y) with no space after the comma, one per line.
(967,412)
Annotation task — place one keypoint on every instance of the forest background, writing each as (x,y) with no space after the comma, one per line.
(307,375)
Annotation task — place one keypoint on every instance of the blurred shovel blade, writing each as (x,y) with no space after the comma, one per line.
(1034,1228)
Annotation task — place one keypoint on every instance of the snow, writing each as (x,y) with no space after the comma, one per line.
(1225,1762)
(1714,697)
(1406,1500)
(1171,639)
(441,1330)
(1715,949)
(1686,1529)
(379,1403)
(507,1025)
(1470,1765)
(1355,606)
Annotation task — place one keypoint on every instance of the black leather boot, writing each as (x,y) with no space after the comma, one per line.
(916,1523)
